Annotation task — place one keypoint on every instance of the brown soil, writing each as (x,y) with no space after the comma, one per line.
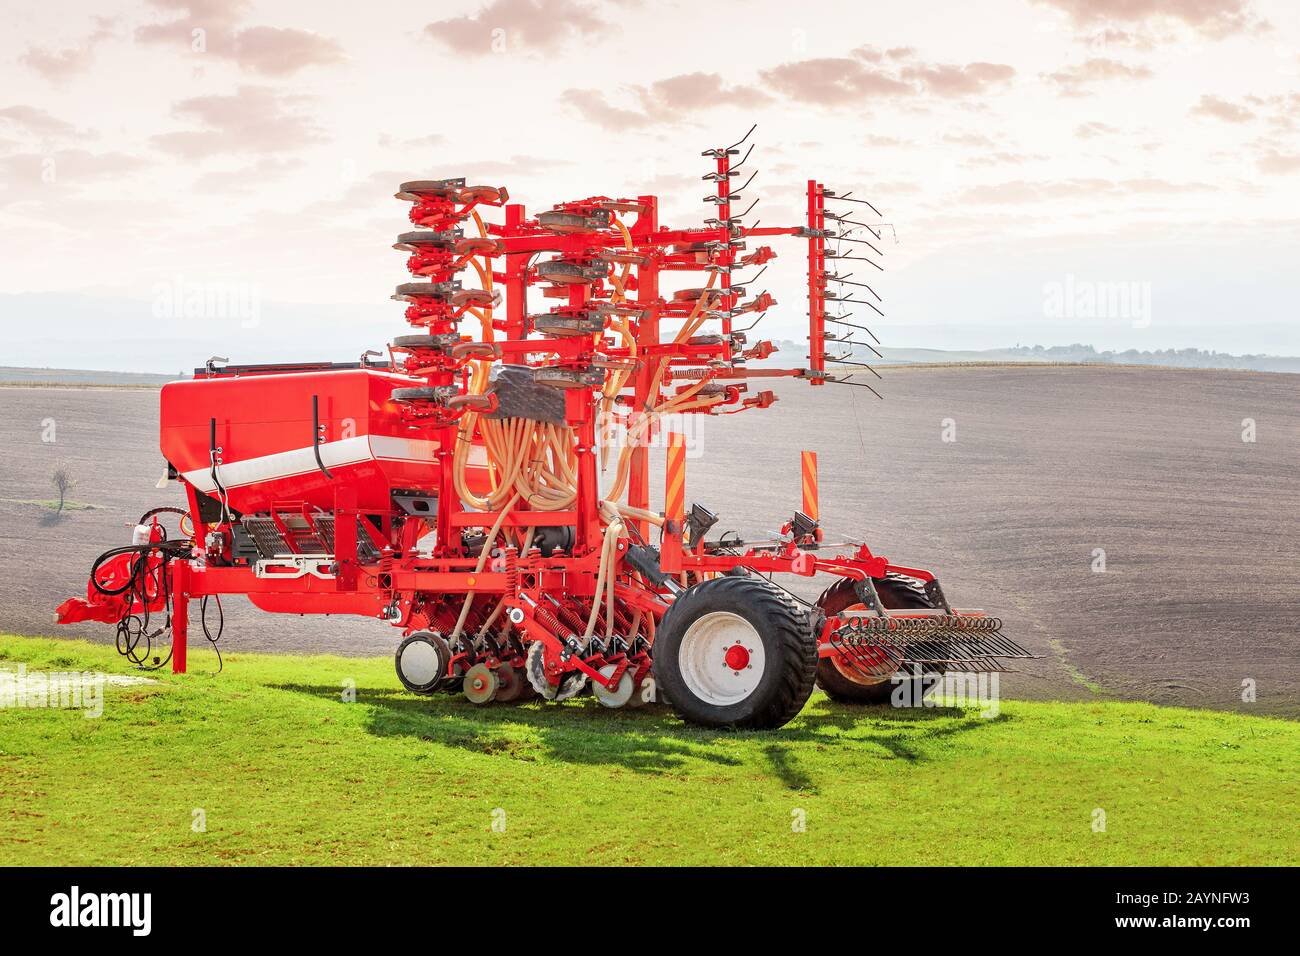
(1202,583)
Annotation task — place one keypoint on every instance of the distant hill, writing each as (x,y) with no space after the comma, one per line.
(792,354)
(1174,358)
(73,376)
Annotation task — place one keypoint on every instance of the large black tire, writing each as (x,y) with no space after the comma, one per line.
(696,656)
(896,594)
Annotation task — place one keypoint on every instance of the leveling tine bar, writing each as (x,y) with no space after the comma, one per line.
(816,279)
(878,647)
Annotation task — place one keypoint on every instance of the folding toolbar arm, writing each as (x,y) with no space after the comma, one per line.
(816,281)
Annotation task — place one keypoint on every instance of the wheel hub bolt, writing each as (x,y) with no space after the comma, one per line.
(737,657)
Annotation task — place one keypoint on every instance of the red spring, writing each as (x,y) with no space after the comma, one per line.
(549,621)
(509,566)
(571,617)
(442,616)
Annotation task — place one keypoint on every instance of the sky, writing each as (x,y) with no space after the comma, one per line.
(1120,173)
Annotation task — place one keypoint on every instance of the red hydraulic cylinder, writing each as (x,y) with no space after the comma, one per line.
(180,613)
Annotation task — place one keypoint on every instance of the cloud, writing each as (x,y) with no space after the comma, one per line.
(1221,109)
(35,121)
(59,65)
(1001,158)
(949,80)
(204,15)
(255,119)
(542,26)
(25,175)
(415,142)
(822,81)
(1075,80)
(691,91)
(1211,18)
(247,179)
(1015,192)
(668,100)
(270,51)
(512,165)
(868,73)
(969,139)
(833,81)
(1276,163)
(279,51)
(594,107)
(1279,109)
(1144,40)
(1093,128)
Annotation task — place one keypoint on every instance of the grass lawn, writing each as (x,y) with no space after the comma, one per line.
(286,772)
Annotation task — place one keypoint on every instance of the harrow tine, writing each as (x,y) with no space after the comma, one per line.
(844,238)
(744,158)
(850,381)
(951,641)
(862,285)
(742,139)
(845,198)
(862,328)
(853,342)
(856,259)
(844,361)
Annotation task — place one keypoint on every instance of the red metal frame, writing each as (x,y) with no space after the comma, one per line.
(236,437)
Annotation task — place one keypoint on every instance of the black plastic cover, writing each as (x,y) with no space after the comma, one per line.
(520,396)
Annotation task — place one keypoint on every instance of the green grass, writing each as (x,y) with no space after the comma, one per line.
(52,504)
(288,773)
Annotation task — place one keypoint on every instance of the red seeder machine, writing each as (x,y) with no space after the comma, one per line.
(467,490)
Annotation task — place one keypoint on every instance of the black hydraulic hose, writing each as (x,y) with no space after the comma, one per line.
(142,587)
(221,627)
(212,455)
(224,497)
(168,550)
(315,436)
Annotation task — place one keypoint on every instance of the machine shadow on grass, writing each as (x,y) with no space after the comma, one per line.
(651,740)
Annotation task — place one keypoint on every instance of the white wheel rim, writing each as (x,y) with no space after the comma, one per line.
(620,695)
(420,663)
(710,650)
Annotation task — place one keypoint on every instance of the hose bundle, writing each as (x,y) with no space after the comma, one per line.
(143,590)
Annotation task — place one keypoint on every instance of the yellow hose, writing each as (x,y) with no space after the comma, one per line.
(536,462)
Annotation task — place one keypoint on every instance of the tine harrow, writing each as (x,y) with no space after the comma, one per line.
(878,647)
